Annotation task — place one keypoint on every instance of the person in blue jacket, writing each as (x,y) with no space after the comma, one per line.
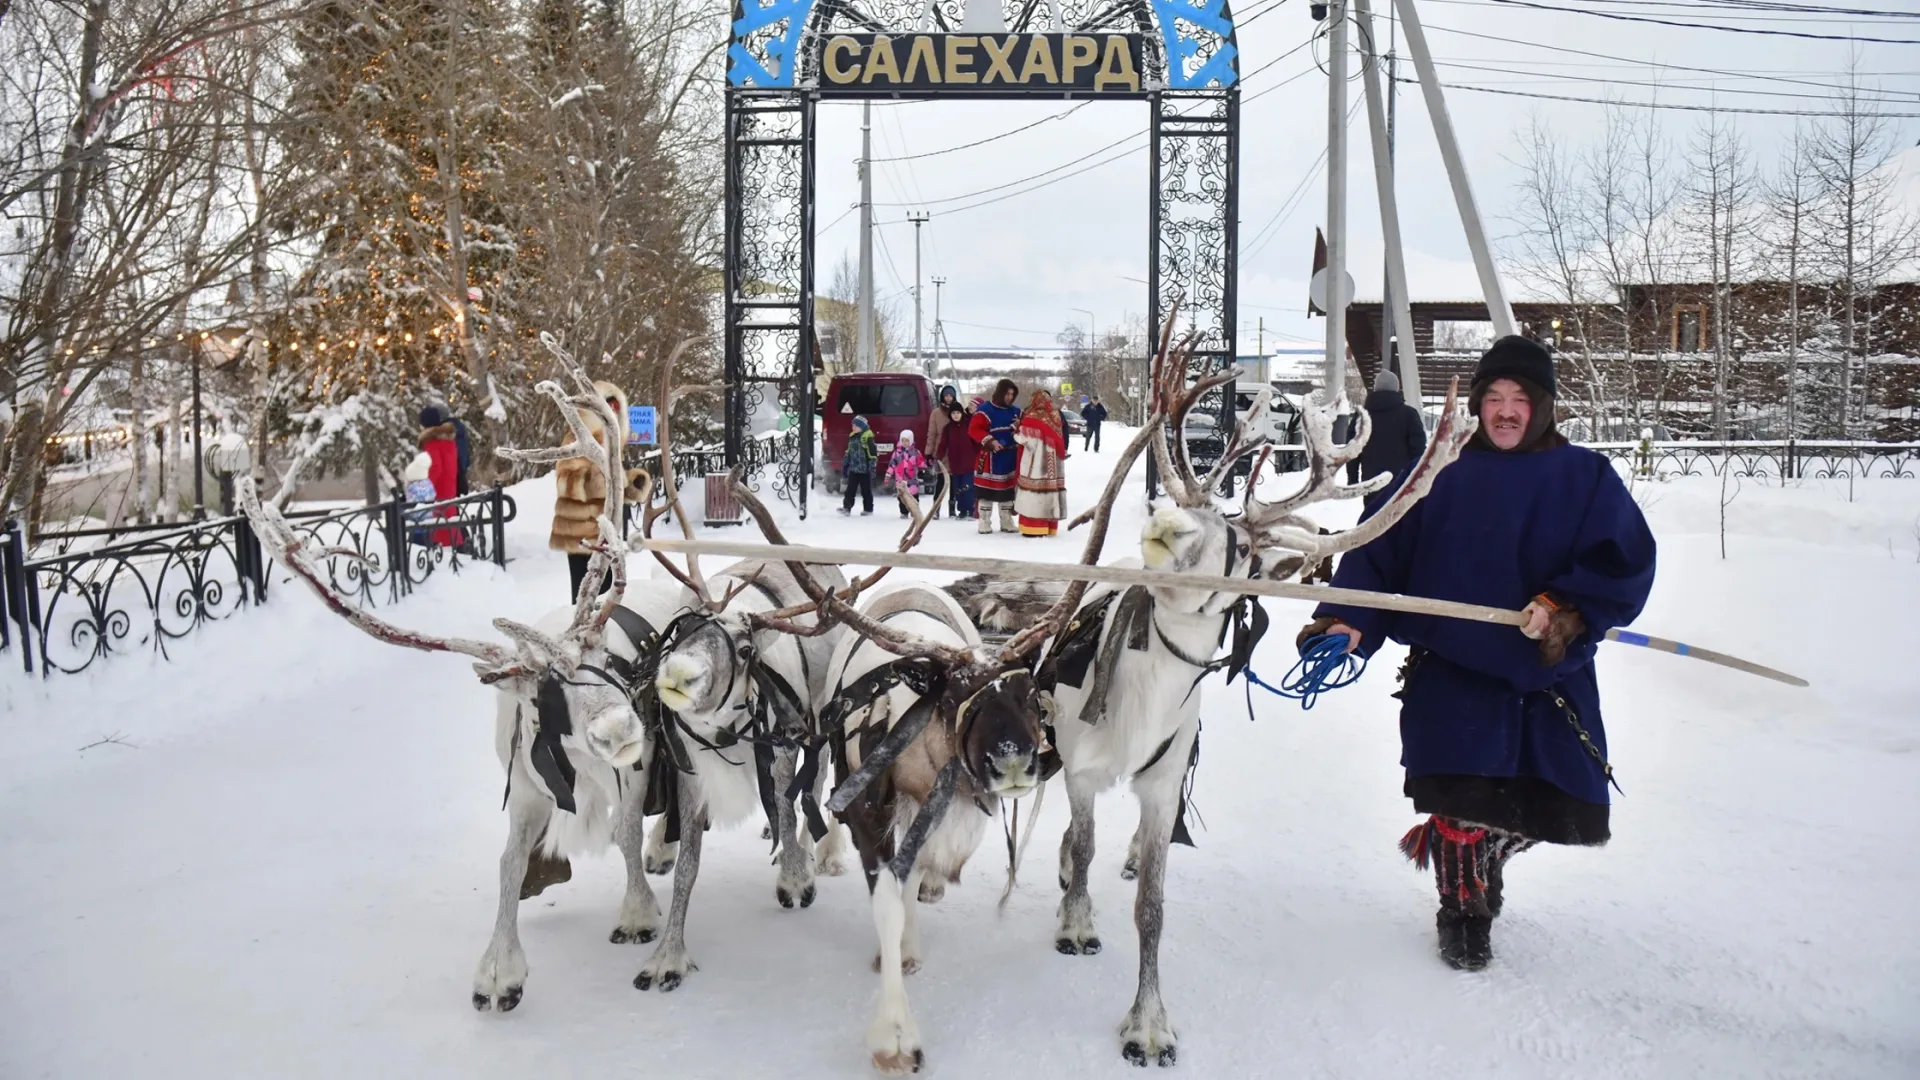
(1500,728)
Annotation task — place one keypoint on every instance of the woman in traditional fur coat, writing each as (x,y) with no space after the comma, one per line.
(1041,501)
(993,475)
(1500,733)
(580,492)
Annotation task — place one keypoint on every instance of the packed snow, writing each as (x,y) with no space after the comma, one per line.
(283,861)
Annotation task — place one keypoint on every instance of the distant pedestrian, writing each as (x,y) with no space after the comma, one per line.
(857,466)
(945,411)
(993,474)
(1042,499)
(1396,438)
(904,468)
(961,451)
(580,490)
(436,439)
(1093,415)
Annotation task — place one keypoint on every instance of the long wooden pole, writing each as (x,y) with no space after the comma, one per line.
(1127,575)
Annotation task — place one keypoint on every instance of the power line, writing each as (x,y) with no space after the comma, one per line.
(1662,105)
(1622,17)
(990,138)
(1025,179)
(1549,77)
(1633,62)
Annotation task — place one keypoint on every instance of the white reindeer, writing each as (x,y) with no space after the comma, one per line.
(931,729)
(574,746)
(1127,699)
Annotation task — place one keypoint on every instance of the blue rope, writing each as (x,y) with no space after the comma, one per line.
(1324,664)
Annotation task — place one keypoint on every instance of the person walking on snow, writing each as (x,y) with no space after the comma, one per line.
(857,466)
(1093,415)
(1500,729)
(1395,440)
(1042,499)
(961,451)
(993,474)
(945,412)
(903,469)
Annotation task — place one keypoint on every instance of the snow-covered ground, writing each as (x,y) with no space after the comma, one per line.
(284,864)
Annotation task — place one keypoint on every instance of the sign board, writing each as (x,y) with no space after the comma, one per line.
(640,425)
(1066,388)
(865,64)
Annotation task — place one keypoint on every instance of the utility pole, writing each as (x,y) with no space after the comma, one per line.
(939,328)
(1336,271)
(1391,354)
(919,356)
(1262,347)
(863,359)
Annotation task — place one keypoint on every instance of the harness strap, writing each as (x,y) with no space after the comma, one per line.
(929,816)
(549,758)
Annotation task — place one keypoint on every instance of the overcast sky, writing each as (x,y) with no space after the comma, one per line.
(1018,268)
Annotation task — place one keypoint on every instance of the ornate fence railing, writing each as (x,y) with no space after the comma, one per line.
(67,604)
(1790,459)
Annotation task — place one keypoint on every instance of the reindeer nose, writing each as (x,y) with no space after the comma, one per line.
(1013,774)
(675,681)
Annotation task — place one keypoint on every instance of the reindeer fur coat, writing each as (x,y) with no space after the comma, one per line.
(580,492)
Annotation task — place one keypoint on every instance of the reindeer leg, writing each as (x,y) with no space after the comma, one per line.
(893,1038)
(1146,1035)
(1076,934)
(669,963)
(1130,869)
(796,861)
(660,854)
(503,967)
(639,911)
(830,854)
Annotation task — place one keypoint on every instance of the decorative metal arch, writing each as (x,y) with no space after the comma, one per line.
(1188,74)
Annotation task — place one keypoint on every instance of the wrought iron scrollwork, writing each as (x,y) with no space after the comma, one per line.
(146,588)
(1789,460)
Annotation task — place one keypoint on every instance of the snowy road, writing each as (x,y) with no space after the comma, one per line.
(289,872)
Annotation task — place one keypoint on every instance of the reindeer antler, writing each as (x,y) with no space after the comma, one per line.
(533,652)
(1278,525)
(691,576)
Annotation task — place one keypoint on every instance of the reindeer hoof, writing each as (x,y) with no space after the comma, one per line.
(638,935)
(899,1064)
(505,1001)
(931,891)
(663,977)
(786,896)
(909,965)
(1131,870)
(1084,947)
(1136,1055)
(657,867)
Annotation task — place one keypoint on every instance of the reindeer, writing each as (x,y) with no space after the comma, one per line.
(739,700)
(1125,673)
(568,731)
(931,730)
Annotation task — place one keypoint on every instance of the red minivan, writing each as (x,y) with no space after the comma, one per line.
(892,402)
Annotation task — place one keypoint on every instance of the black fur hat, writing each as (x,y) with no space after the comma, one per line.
(1517,357)
(1001,388)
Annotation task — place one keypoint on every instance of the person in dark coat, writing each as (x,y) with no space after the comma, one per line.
(1093,415)
(1396,439)
(858,465)
(1500,729)
(961,451)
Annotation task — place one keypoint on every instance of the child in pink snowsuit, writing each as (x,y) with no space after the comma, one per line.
(904,469)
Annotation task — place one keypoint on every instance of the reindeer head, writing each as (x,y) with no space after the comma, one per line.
(1000,734)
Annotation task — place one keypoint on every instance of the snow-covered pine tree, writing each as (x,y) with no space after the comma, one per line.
(398,123)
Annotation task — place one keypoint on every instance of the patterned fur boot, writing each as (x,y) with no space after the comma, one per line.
(1459,854)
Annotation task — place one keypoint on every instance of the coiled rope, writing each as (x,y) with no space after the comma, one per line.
(1325,664)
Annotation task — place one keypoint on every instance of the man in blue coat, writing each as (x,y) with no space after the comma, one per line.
(1500,730)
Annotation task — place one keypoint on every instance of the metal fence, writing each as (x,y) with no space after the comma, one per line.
(1785,460)
(69,603)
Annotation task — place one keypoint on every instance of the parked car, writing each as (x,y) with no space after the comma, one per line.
(892,402)
(1075,425)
